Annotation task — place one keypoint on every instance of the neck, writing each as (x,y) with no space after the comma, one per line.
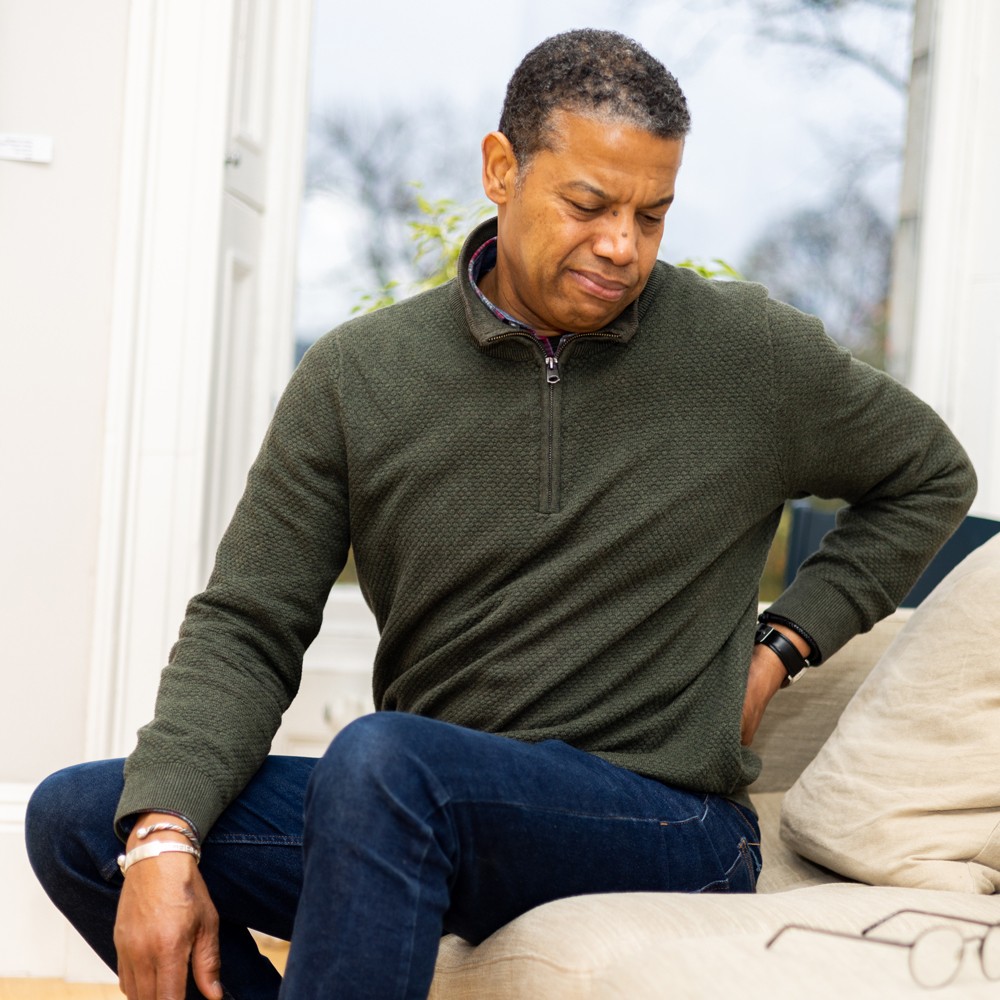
(489,285)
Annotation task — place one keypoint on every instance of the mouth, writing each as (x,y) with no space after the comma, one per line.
(601,287)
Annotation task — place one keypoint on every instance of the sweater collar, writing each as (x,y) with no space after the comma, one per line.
(485,323)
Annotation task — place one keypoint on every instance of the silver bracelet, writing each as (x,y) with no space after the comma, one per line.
(185,831)
(153,850)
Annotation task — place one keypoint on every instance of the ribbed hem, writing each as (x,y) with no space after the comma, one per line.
(174,790)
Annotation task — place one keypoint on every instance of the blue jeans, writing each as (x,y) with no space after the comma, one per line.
(405,829)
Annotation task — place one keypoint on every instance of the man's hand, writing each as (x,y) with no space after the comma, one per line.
(165,922)
(767,674)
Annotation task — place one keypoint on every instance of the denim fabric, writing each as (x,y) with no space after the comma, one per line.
(405,829)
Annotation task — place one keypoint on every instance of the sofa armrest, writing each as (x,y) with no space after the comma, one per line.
(801,717)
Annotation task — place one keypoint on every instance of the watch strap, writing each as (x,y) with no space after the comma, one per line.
(815,657)
(786,651)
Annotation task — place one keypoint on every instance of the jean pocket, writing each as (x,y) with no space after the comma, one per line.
(747,820)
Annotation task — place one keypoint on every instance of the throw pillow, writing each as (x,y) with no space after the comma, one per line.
(905,791)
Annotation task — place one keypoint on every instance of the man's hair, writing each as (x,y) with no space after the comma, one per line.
(600,74)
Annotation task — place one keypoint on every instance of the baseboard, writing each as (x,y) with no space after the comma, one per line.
(35,939)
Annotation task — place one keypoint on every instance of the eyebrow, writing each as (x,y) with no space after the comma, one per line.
(603,195)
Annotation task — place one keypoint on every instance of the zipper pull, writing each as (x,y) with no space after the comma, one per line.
(552,364)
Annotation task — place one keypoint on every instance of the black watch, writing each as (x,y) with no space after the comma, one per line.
(783,648)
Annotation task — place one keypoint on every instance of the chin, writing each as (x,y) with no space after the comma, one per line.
(591,320)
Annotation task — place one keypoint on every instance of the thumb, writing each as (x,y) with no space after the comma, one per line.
(206,965)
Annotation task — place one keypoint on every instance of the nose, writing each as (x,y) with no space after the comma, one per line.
(616,241)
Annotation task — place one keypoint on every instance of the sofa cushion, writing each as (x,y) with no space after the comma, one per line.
(905,791)
(655,945)
(783,868)
(800,718)
(800,966)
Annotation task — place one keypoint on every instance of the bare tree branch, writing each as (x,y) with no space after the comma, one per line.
(834,262)
(840,30)
(376,162)
(838,47)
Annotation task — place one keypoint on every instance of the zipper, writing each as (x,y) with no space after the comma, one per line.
(549,501)
(549,496)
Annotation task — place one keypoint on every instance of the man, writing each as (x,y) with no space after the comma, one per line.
(561,474)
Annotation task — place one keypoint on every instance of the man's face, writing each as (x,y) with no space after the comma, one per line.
(580,228)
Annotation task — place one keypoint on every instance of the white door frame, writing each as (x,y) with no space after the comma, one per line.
(955,356)
(174,150)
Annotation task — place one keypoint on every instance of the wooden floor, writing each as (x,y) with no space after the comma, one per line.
(56,989)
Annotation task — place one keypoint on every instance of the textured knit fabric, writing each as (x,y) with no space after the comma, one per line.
(565,551)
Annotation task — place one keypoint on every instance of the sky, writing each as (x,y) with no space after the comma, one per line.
(772,130)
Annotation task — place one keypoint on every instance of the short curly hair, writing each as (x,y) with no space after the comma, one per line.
(590,72)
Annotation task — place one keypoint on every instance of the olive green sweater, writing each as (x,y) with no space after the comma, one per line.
(567,552)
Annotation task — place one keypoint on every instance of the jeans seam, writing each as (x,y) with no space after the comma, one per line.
(719,883)
(747,862)
(697,818)
(416,910)
(253,840)
(599,817)
(743,818)
(742,861)
(700,818)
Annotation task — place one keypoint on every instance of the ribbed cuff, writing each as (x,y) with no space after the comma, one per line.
(827,616)
(171,790)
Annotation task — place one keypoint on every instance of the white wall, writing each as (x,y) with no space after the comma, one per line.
(62,70)
(61,74)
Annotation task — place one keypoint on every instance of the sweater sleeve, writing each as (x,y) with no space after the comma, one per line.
(845,430)
(238,660)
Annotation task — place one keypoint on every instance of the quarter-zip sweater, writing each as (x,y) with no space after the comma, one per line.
(573,557)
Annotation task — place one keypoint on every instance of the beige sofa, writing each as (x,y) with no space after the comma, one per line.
(905,793)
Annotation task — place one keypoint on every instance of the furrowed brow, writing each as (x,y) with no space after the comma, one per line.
(589,189)
(602,195)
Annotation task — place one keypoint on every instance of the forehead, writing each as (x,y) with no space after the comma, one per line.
(584,147)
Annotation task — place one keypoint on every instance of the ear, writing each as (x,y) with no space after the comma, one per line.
(499,168)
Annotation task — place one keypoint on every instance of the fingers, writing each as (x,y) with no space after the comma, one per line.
(206,963)
(155,977)
(148,982)
(165,922)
